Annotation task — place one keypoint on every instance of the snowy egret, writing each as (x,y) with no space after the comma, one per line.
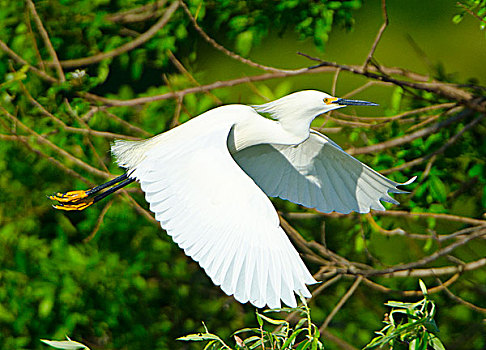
(207,182)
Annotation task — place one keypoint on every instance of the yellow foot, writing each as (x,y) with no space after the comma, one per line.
(72,196)
(76,205)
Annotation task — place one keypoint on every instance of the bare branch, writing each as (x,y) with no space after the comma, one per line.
(447,144)
(338,341)
(221,48)
(471,12)
(126,47)
(400,115)
(410,137)
(25,141)
(409,293)
(34,42)
(438,271)
(47,41)
(424,261)
(379,35)
(23,62)
(440,216)
(456,218)
(341,303)
(186,73)
(126,124)
(138,14)
(85,131)
(365,86)
(99,221)
(419,82)
(462,301)
(202,88)
(42,139)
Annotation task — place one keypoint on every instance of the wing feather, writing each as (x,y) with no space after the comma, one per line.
(317,174)
(220,217)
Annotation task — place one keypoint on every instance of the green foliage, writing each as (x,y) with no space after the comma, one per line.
(409,326)
(271,333)
(475,8)
(129,286)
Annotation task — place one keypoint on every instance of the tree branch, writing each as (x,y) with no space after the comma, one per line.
(47,41)
(379,35)
(78,62)
(41,74)
(341,302)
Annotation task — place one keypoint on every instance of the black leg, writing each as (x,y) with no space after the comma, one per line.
(112,189)
(106,184)
(79,200)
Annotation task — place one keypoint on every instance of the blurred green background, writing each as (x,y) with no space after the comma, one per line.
(129,286)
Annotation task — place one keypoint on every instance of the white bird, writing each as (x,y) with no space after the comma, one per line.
(207,182)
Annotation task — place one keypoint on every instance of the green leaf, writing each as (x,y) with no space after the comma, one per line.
(199,337)
(272,321)
(244,42)
(423,287)
(64,344)
(257,330)
(437,189)
(396,99)
(259,319)
(457,18)
(399,304)
(303,345)
(251,339)
(436,343)
(290,340)
(210,344)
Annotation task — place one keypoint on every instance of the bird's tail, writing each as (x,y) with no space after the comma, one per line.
(129,154)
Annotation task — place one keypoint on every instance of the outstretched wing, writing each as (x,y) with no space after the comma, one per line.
(221,219)
(317,174)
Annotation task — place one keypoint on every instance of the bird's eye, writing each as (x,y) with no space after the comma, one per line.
(328,101)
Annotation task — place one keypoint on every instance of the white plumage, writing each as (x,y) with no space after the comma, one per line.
(207,182)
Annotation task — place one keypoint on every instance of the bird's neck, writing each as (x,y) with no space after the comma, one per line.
(259,130)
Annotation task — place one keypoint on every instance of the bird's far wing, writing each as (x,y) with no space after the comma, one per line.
(317,174)
(221,219)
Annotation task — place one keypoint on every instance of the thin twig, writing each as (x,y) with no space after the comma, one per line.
(341,303)
(99,221)
(338,341)
(420,262)
(23,62)
(402,115)
(24,140)
(471,12)
(410,293)
(441,216)
(43,140)
(462,301)
(186,73)
(419,82)
(202,88)
(221,48)
(85,130)
(34,42)
(410,137)
(138,14)
(128,125)
(47,41)
(447,144)
(85,61)
(379,35)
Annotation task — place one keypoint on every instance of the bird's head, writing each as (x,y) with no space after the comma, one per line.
(307,105)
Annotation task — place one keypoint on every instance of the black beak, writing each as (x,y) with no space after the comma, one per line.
(342,101)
